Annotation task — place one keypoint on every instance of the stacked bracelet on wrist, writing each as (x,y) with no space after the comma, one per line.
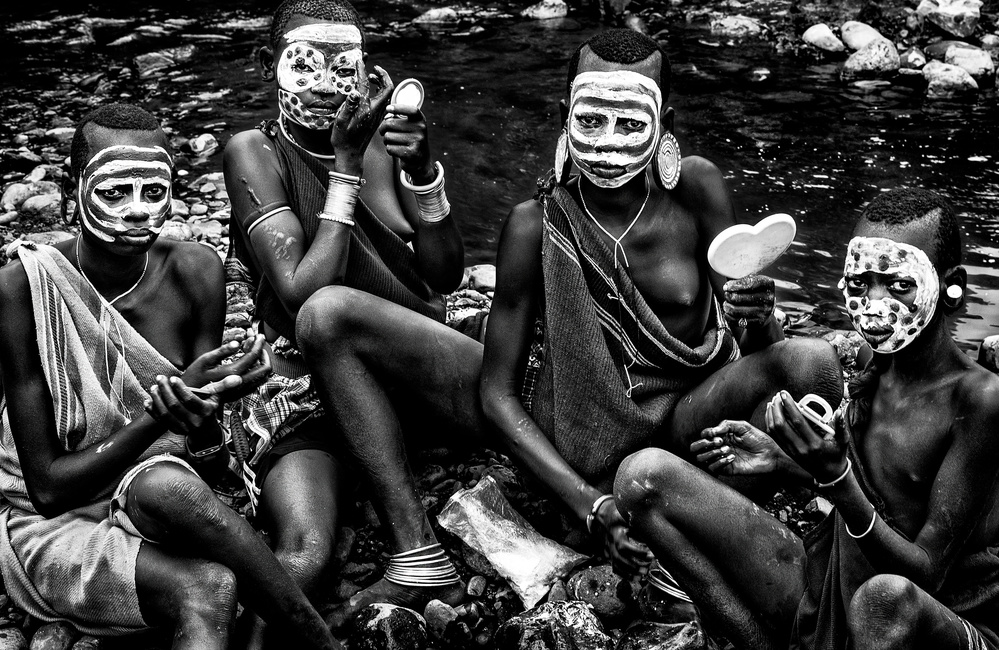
(431,198)
(341,197)
(838,479)
(595,508)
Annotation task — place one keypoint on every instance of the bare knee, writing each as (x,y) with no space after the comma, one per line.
(646,478)
(209,595)
(168,495)
(327,317)
(884,613)
(305,554)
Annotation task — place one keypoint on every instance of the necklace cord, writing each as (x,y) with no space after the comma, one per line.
(617,240)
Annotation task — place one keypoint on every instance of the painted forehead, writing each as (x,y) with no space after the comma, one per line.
(615,86)
(126,157)
(325,34)
(883,255)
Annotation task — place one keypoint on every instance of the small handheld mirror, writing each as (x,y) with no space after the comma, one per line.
(817,411)
(743,250)
(408,92)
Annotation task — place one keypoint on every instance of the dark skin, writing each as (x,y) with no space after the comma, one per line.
(928,450)
(666,252)
(188,578)
(376,140)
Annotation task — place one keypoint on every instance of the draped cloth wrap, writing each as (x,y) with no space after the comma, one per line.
(77,566)
(611,373)
(379,262)
(836,567)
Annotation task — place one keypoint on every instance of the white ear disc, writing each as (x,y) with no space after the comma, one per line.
(408,92)
(954,291)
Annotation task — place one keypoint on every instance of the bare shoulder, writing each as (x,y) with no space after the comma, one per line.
(14,288)
(524,223)
(703,190)
(977,397)
(250,144)
(193,265)
(16,316)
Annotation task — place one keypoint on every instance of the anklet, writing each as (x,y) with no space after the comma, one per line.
(426,566)
(874,517)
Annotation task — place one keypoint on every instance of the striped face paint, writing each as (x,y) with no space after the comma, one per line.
(321,58)
(125,191)
(613,125)
(888,324)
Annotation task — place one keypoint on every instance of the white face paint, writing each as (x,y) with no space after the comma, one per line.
(888,324)
(125,191)
(321,58)
(613,125)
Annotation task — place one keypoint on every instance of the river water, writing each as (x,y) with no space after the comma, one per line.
(788,134)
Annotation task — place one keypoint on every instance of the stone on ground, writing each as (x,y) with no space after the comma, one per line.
(737,26)
(645,635)
(437,15)
(978,63)
(946,81)
(957,17)
(600,588)
(912,59)
(988,354)
(11,638)
(386,627)
(878,58)
(147,64)
(438,616)
(822,37)
(546,9)
(53,636)
(565,625)
(482,277)
(857,35)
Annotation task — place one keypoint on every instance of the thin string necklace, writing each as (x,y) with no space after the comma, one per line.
(292,140)
(79,263)
(617,240)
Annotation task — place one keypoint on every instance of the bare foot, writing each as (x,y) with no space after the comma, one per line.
(383,591)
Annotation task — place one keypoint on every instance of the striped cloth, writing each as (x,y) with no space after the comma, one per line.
(79,566)
(610,373)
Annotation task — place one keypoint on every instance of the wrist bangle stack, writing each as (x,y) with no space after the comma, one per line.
(595,508)
(838,479)
(431,199)
(341,197)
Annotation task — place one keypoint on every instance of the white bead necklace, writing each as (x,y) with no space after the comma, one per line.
(79,263)
(617,240)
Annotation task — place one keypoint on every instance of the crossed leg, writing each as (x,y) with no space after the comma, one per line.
(205,550)
(362,350)
(742,567)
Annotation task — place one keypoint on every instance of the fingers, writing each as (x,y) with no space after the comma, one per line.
(177,406)
(345,114)
(403,114)
(750,284)
(248,360)
(218,355)
(384,87)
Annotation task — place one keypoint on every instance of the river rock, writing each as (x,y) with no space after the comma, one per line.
(646,635)
(61,133)
(207,230)
(957,17)
(912,59)
(17,193)
(476,586)
(53,636)
(87,643)
(11,638)
(858,35)
(546,9)
(978,63)
(565,625)
(177,230)
(879,58)
(148,64)
(437,15)
(598,587)
(42,206)
(482,277)
(939,49)
(946,80)
(822,37)
(438,616)
(988,354)
(386,627)
(737,26)
(48,238)
(990,43)
(846,343)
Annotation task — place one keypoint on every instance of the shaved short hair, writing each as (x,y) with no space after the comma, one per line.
(903,206)
(340,11)
(622,46)
(124,117)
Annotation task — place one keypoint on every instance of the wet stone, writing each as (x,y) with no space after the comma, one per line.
(344,544)
(386,627)
(43,206)
(822,37)
(957,17)
(147,64)
(177,230)
(879,58)
(988,353)
(978,63)
(11,638)
(546,9)
(438,616)
(87,643)
(912,59)
(857,35)
(645,635)
(554,626)
(946,81)
(437,15)
(61,133)
(737,26)
(476,586)
(199,209)
(53,636)
(600,587)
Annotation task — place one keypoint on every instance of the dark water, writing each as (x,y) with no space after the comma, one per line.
(788,134)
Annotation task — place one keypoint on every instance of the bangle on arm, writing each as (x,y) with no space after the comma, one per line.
(431,199)
(341,197)
(874,517)
(838,479)
(595,508)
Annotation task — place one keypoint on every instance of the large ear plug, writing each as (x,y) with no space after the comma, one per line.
(667,162)
(563,165)
(954,292)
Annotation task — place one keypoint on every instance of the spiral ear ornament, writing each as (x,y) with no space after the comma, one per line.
(562,163)
(667,161)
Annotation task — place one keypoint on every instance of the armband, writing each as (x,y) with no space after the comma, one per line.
(341,197)
(431,199)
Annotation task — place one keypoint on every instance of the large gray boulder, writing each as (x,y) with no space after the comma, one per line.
(857,35)
(646,635)
(945,80)
(957,17)
(563,625)
(977,62)
(878,58)
(386,627)
(822,37)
